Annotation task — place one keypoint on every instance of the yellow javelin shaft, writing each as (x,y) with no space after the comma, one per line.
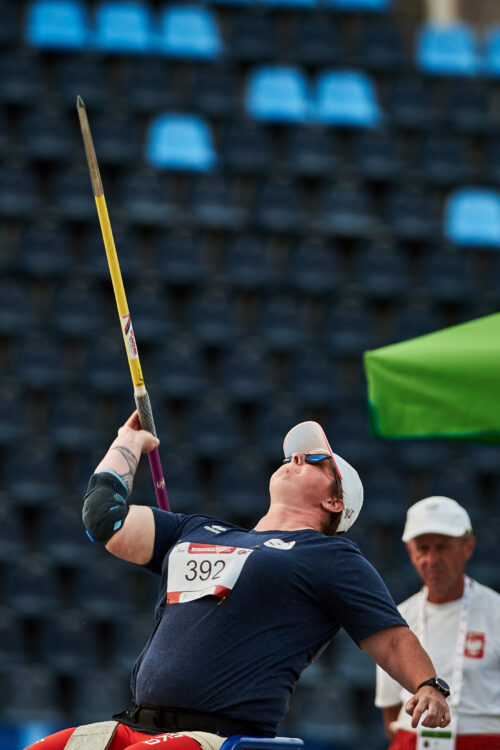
(109,245)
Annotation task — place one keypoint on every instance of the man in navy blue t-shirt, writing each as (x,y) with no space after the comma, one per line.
(241,613)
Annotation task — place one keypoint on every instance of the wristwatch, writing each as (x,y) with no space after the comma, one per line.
(438,683)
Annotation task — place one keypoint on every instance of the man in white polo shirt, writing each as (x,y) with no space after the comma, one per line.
(457,621)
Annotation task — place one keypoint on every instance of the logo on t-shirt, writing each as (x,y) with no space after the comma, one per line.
(474,645)
(279,544)
(215,529)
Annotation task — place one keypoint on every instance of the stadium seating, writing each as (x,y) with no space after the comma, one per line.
(491,59)
(447,50)
(278,94)
(311,151)
(123,28)
(57,25)
(316,41)
(346,98)
(352,6)
(180,142)
(189,31)
(252,37)
(472,217)
(179,258)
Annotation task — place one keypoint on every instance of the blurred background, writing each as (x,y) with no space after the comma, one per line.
(290,183)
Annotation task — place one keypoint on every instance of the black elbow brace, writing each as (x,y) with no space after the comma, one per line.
(105,506)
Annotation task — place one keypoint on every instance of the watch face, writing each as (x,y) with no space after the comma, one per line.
(442,684)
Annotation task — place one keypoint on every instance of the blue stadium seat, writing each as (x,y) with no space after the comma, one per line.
(115,138)
(215,205)
(211,425)
(178,367)
(44,251)
(73,421)
(123,28)
(311,151)
(68,641)
(17,313)
(313,266)
(41,483)
(442,159)
(381,48)
(381,271)
(472,217)
(278,94)
(39,362)
(409,103)
(447,50)
(246,147)
(82,74)
(245,371)
(273,419)
(179,258)
(47,134)
(353,6)
(149,86)
(189,31)
(9,30)
(150,311)
(30,585)
(62,535)
(313,375)
(248,262)
(12,538)
(289,4)
(252,36)
(32,695)
(468,109)
(57,25)
(346,98)
(215,91)
(97,692)
(412,213)
(147,198)
(20,79)
(491,56)
(72,194)
(345,210)
(377,154)
(281,323)
(14,425)
(104,367)
(279,205)
(211,316)
(12,650)
(315,41)
(104,586)
(241,487)
(180,142)
(76,309)
(184,486)
(19,196)
(416,317)
(349,327)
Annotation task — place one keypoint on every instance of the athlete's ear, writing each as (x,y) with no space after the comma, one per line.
(332,504)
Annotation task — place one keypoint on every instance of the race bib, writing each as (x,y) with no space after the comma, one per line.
(196,570)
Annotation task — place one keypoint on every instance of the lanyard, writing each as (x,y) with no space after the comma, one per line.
(458,661)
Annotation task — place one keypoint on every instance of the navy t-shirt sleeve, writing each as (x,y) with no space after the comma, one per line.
(167,530)
(358,597)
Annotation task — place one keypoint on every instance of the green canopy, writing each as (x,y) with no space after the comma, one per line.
(445,384)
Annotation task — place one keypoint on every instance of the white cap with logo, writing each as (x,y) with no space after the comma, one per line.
(436,515)
(308,437)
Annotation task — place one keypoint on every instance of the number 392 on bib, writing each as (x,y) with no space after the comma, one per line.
(196,570)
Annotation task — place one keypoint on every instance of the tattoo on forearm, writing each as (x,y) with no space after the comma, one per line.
(128,476)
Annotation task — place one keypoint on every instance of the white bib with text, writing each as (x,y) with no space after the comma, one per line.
(196,570)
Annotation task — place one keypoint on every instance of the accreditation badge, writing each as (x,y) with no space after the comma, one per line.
(196,570)
(437,739)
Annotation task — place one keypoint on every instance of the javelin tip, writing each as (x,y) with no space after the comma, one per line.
(79,102)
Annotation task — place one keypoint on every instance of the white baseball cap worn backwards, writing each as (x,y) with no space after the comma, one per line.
(308,437)
(436,515)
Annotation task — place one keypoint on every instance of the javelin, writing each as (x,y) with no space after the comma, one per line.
(140,394)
